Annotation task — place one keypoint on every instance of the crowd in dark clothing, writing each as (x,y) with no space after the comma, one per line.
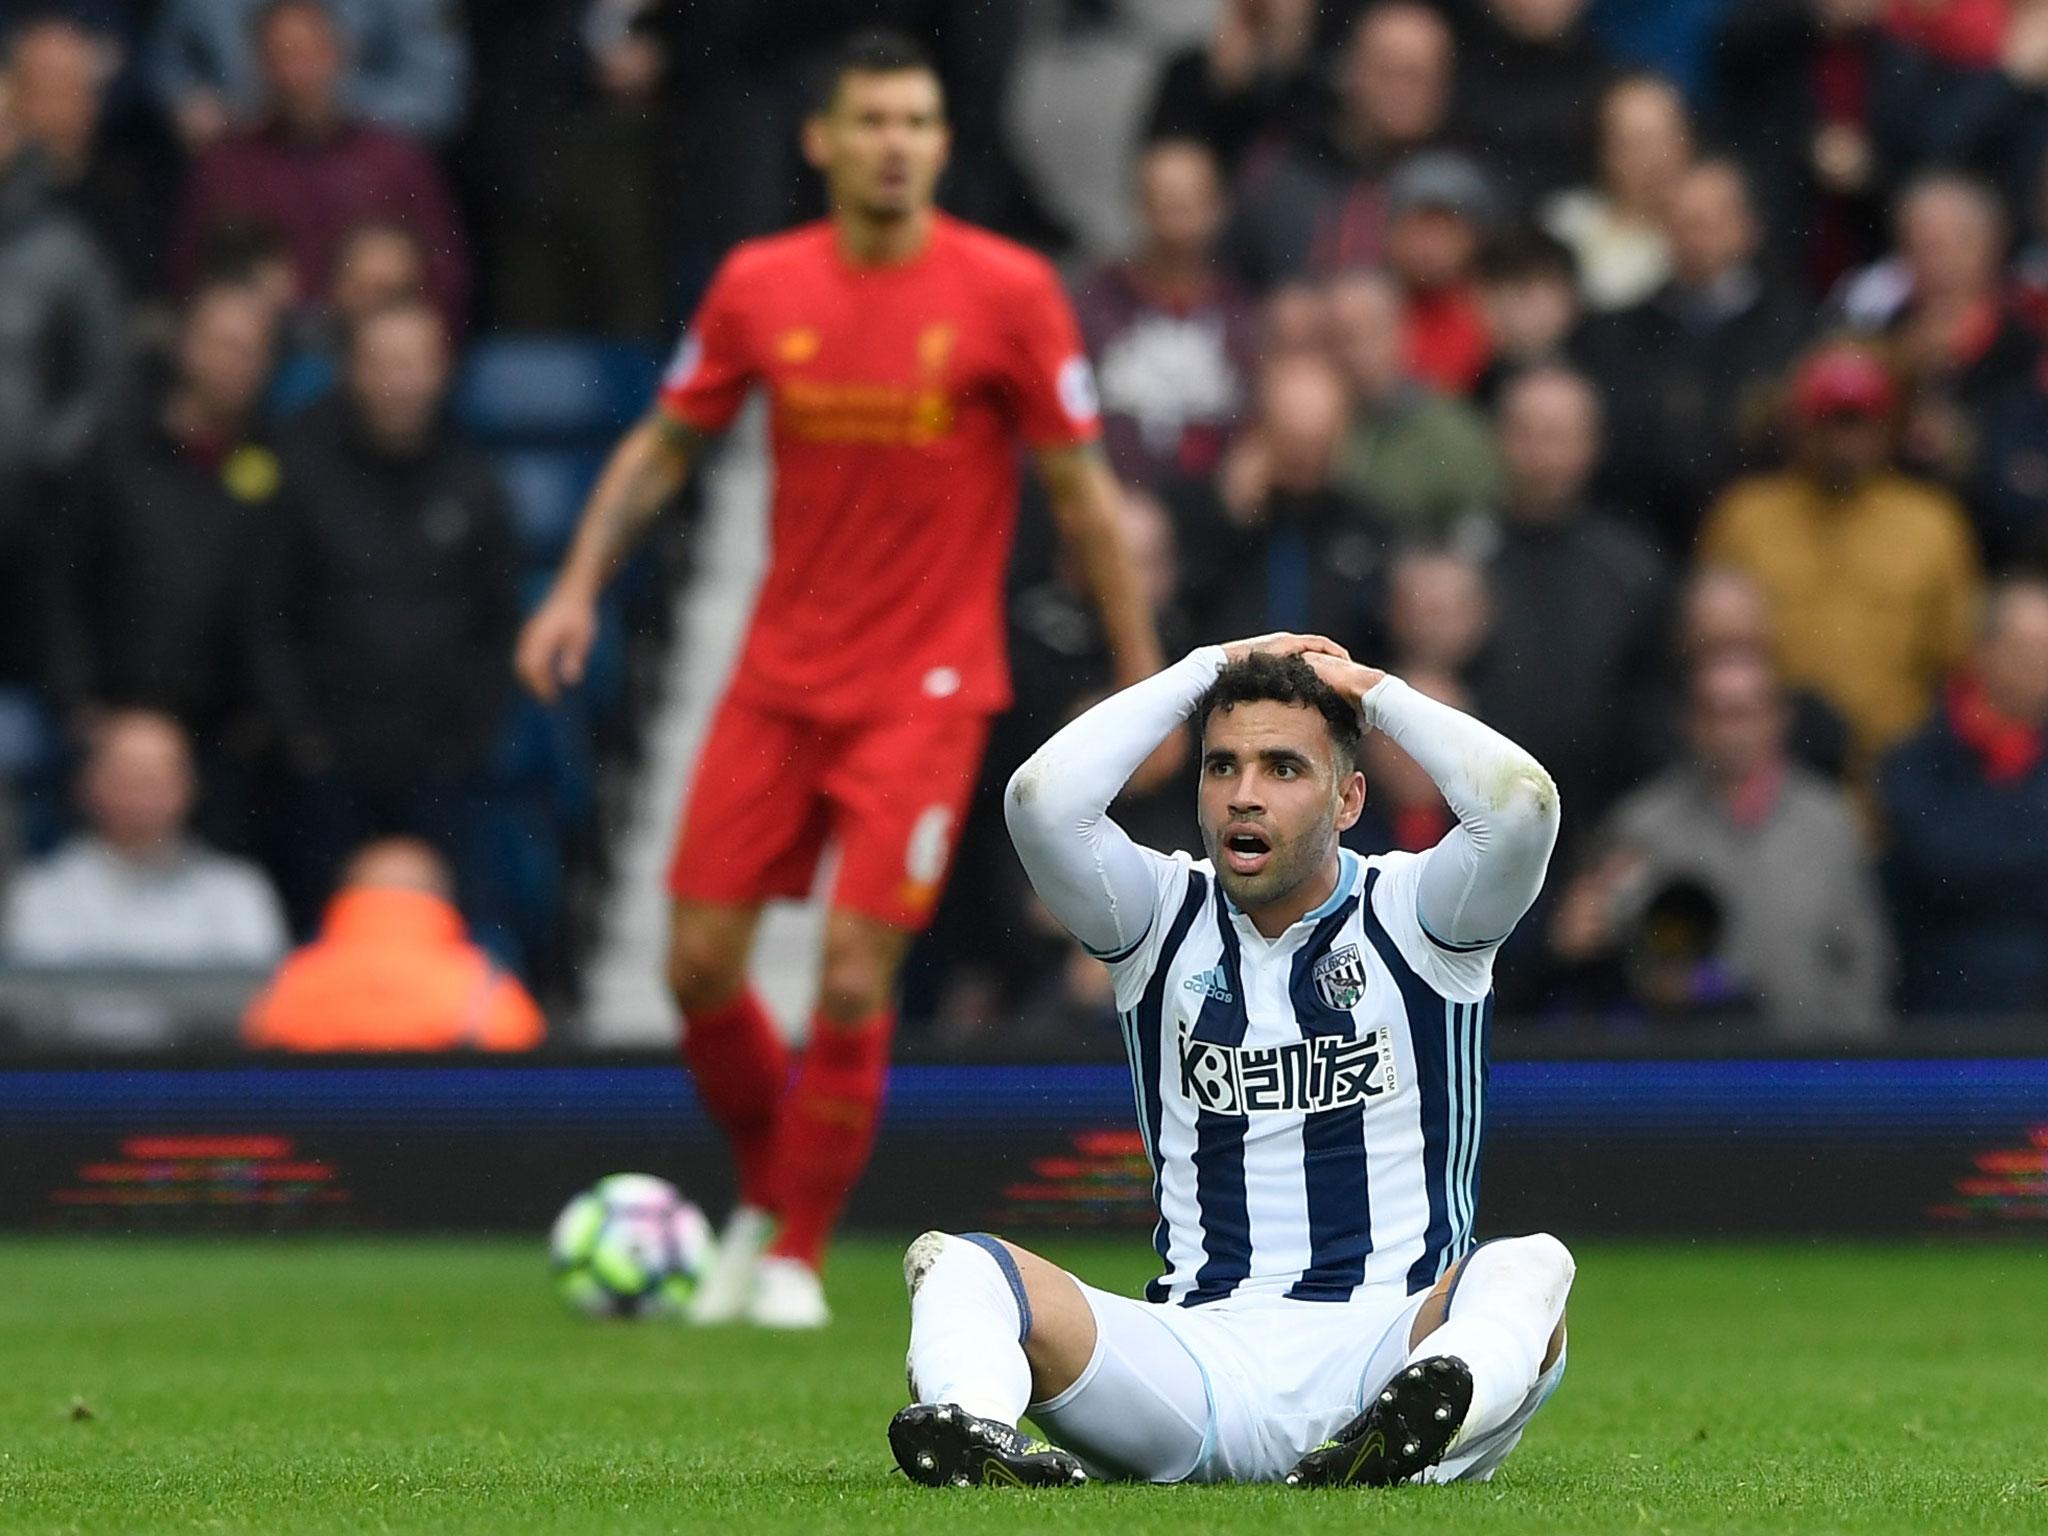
(1693,439)
(1681,413)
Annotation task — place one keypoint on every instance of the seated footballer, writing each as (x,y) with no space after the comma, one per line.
(1307,1035)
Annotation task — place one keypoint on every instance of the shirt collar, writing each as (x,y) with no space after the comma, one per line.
(1348,865)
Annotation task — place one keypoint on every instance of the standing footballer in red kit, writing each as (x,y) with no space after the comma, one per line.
(906,356)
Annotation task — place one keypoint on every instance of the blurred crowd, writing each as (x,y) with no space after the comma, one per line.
(1695,435)
(1662,382)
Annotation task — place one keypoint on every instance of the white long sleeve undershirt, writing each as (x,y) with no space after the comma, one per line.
(1474,885)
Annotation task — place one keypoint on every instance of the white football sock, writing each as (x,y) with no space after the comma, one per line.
(1505,1306)
(967,1326)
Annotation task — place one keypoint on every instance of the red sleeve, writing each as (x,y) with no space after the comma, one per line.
(1052,387)
(708,378)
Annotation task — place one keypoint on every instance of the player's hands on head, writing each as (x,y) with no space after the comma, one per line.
(1283,644)
(1352,679)
(554,647)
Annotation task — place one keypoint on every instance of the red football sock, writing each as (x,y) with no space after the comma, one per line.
(742,1070)
(828,1129)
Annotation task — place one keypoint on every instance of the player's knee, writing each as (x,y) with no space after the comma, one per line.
(1546,1259)
(920,1256)
(854,987)
(702,972)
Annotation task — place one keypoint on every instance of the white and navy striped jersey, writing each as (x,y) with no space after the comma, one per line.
(1312,1104)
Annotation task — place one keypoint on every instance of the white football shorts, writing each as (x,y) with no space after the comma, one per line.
(1239,1389)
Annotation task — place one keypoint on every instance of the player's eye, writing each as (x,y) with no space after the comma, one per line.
(1285,771)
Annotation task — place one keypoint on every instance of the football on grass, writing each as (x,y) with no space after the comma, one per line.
(629,1246)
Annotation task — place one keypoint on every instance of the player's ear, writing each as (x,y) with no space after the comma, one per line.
(1350,800)
(817,141)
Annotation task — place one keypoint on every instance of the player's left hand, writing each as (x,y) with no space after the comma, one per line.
(1352,679)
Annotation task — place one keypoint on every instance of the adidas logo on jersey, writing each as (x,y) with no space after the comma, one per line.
(1211,983)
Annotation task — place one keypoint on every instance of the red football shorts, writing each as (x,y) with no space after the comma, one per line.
(771,790)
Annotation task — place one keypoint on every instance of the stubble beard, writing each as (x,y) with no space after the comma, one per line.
(1294,862)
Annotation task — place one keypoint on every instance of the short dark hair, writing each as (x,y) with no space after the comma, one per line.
(1285,680)
(875,51)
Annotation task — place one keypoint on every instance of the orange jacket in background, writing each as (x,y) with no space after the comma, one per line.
(392,970)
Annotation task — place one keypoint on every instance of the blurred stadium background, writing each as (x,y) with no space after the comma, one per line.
(1662,380)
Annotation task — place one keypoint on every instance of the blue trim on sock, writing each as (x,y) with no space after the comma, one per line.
(1008,1265)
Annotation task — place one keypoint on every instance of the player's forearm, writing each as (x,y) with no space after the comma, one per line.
(1487,872)
(1085,509)
(644,472)
(1075,775)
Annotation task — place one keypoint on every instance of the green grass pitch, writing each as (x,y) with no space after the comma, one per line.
(317,1386)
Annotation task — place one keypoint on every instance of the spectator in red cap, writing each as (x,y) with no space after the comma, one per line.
(1871,576)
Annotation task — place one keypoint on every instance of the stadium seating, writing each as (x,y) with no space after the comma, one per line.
(548,409)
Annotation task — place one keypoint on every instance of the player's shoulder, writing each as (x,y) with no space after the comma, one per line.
(1179,872)
(995,259)
(1391,864)
(1179,878)
(1461,973)
(766,258)
(1388,883)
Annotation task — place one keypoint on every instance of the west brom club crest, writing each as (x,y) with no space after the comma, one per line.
(1340,978)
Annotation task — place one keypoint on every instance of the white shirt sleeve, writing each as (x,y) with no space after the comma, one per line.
(1467,893)
(1103,887)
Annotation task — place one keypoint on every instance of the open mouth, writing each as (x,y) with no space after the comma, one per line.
(1246,850)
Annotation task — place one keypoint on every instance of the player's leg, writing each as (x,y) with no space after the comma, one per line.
(827,1124)
(1485,1350)
(1502,1317)
(996,1332)
(753,830)
(740,1066)
(897,789)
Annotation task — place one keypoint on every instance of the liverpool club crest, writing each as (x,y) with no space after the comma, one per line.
(1340,978)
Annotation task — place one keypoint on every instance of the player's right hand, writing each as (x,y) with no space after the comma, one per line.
(1283,644)
(554,647)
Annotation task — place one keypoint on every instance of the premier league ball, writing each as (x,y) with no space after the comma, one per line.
(629,1246)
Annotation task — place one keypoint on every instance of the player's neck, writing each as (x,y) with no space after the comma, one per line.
(1277,917)
(889,242)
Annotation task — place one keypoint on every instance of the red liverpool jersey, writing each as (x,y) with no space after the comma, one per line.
(898,395)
